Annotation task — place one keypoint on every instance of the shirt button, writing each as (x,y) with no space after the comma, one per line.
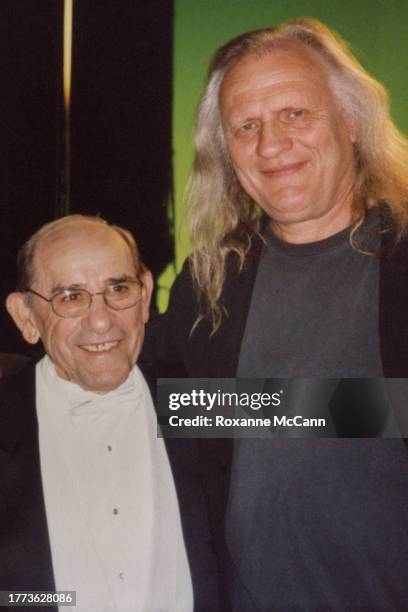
(109,448)
(122,575)
(115,511)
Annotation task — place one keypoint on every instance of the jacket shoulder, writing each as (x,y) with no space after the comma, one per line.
(17,406)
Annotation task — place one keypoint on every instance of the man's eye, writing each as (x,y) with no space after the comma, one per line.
(248,128)
(293,115)
(121,289)
(74,296)
(69,297)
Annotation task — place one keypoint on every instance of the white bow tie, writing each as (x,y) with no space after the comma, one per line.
(124,401)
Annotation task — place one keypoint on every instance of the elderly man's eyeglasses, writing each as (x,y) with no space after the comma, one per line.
(69,303)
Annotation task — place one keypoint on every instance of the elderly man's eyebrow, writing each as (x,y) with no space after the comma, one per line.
(59,287)
(114,280)
(119,279)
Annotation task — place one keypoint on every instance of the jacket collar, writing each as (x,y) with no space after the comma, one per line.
(393,306)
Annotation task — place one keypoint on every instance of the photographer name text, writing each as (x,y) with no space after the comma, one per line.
(221,421)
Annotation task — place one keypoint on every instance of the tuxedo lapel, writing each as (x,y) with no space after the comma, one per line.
(25,556)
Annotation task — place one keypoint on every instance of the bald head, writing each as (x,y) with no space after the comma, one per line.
(70,227)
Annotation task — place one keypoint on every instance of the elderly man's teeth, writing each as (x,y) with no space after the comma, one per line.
(99,348)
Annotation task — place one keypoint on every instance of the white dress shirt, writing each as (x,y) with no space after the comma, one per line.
(111,504)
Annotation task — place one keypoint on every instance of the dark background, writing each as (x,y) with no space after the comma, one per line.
(121,158)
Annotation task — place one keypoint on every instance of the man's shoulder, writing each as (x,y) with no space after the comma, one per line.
(18,381)
(11,363)
(394,262)
(184,280)
(17,405)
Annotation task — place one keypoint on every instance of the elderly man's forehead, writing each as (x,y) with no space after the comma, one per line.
(68,238)
(294,55)
(78,230)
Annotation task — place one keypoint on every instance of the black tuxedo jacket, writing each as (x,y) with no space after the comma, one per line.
(25,556)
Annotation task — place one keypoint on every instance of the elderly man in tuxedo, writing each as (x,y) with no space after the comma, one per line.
(91,499)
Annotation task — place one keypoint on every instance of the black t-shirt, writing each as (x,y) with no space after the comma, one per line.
(314,309)
(318,524)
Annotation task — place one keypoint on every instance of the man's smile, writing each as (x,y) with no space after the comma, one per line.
(103,347)
(284,170)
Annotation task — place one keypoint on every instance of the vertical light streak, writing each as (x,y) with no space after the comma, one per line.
(67,76)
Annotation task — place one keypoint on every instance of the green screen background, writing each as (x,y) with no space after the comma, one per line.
(376,29)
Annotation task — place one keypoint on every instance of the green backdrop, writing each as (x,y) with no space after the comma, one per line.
(376,29)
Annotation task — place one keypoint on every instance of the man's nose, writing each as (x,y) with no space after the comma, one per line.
(273,139)
(99,316)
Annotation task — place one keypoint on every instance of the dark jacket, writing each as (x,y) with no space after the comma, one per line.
(25,557)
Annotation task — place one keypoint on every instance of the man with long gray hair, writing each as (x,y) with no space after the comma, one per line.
(298,205)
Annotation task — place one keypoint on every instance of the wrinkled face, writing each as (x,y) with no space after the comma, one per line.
(288,141)
(98,349)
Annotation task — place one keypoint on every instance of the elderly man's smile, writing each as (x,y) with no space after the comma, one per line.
(105,347)
(284,170)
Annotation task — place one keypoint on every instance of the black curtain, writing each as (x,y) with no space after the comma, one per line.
(30,107)
(121,119)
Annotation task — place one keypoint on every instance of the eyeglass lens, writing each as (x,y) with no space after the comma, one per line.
(75,302)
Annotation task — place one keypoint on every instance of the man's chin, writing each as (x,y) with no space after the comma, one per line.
(103,382)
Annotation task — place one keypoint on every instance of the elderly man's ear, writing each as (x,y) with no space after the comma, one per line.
(23,316)
(147,289)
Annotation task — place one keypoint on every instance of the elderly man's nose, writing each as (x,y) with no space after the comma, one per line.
(273,139)
(98,316)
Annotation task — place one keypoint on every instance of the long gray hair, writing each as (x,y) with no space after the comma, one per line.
(222,217)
